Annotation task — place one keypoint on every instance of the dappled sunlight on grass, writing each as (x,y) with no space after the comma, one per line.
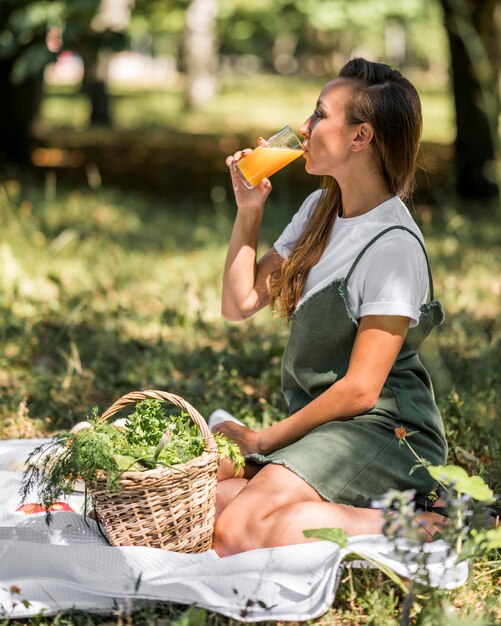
(150,273)
(103,292)
(131,288)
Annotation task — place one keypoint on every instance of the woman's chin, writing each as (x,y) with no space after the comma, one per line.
(311,170)
(308,169)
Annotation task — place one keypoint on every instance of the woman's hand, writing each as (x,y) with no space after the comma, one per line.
(246,438)
(248,198)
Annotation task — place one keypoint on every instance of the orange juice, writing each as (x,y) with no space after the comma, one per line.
(265,161)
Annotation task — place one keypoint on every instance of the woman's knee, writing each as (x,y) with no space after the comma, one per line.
(245,522)
(235,532)
(227,491)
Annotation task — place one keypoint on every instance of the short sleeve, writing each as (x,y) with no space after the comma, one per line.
(284,245)
(395,278)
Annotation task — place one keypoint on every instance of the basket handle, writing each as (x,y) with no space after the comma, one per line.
(153,394)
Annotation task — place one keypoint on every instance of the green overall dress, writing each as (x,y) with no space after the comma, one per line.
(356,461)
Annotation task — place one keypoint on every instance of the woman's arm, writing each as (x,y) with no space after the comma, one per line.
(246,281)
(246,284)
(377,344)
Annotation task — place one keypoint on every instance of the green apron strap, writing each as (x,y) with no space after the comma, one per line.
(383,232)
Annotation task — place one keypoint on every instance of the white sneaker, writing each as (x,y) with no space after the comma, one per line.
(220,415)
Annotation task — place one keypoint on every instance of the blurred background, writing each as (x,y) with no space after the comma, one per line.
(115,205)
(152,94)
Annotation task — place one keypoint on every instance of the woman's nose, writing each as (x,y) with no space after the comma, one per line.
(304,129)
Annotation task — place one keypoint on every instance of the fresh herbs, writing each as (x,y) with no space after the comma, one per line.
(151,438)
(146,427)
(148,423)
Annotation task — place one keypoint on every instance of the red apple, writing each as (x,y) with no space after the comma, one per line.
(32,507)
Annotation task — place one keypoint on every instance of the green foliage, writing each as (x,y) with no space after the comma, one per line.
(169,439)
(180,444)
(24,25)
(401,523)
(483,541)
(160,22)
(329,26)
(53,468)
(336,535)
(32,61)
(229,450)
(340,537)
(147,424)
(457,478)
(193,616)
(152,438)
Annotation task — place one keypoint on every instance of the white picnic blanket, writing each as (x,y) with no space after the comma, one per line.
(69,566)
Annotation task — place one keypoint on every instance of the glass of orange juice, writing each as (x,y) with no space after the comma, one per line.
(263,161)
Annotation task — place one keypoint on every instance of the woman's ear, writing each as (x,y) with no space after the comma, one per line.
(363,137)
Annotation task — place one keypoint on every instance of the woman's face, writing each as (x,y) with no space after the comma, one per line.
(328,138)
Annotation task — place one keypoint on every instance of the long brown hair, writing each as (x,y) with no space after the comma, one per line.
(385,99)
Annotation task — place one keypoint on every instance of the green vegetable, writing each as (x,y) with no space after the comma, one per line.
(147,424)
(54,467)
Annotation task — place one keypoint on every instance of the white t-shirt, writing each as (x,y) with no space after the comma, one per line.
(392,276)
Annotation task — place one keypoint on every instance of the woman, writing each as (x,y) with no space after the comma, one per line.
(351,274)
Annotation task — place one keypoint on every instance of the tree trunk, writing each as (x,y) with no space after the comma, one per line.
(95,87)
(19,106)
(99,97)
(200,52)
(19,103)
(105,32)
(473,43)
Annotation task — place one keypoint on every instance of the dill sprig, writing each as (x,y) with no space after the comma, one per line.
(53,468)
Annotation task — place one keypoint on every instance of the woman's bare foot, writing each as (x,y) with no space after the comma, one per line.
(493,517)
(432,525)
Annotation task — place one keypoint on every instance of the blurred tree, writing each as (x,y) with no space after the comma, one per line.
(186,30)
(200,52)
(475,66)
(156,26)
(23,55)
(318,36)
(93,28)
(32,32)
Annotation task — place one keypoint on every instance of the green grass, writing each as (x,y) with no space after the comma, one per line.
(104,292)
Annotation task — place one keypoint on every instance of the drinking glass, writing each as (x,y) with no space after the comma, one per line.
(281,149)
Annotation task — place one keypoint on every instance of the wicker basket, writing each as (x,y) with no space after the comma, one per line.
(170,507)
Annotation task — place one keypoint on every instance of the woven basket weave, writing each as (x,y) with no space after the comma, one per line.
(169,507)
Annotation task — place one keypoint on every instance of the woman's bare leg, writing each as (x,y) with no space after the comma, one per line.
(227,490)
(273,509)
(276,506)
(230,484)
